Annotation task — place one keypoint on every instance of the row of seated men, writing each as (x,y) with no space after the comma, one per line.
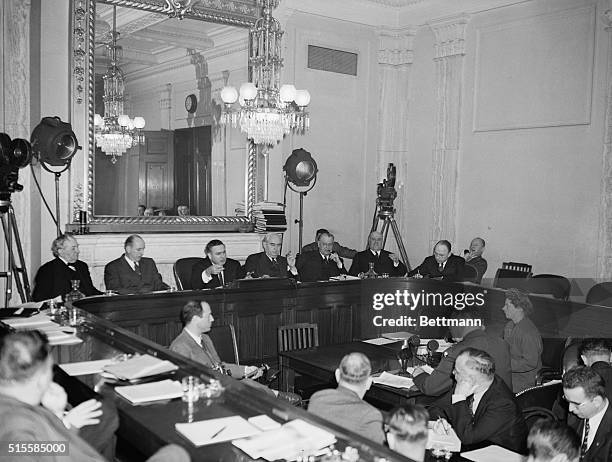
(133,273)
(477,401)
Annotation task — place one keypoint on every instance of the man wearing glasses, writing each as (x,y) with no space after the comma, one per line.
(584,390)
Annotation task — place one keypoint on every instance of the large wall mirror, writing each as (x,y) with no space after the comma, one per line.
(186,170)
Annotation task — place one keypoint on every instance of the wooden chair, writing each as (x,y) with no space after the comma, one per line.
(600,294)
(224,339)
(549,284)
(298,337)
(538,402)
(182,271)
(470,274)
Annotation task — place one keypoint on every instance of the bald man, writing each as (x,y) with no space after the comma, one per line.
(270,263)
(384,261)
(473,257)
(132,273)
(441,265)
(344,405)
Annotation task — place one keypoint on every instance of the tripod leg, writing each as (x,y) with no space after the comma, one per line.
(20,272)
(385,231)
(8,290)
(400,243)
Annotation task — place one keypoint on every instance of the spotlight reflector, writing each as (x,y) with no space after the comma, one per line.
(300,167)
(54,142)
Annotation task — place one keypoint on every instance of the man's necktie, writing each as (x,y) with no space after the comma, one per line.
(440,267)
(585,439)
(469,402)
(137,269)
(220,276)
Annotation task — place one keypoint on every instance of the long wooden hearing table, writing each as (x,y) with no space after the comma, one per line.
(343,311)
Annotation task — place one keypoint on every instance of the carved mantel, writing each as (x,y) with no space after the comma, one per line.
(449,51)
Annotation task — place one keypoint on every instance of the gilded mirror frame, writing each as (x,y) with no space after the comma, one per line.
(241,13)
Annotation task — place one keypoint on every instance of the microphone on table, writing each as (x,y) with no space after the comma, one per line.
(408,351)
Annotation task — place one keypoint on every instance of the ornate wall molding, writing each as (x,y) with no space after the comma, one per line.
(396,46)
(449,50)
(449,36)
(604,257)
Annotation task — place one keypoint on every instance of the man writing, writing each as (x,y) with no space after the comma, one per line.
(481,408)
(270,263)
(132,273)
(216,270)
(384,262)
(441,265)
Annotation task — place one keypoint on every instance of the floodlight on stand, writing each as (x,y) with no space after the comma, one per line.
(54,144)
(300,170)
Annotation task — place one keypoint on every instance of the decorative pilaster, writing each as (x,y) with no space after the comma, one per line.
(395,57)
(449,52)
(604,256)
(165,107)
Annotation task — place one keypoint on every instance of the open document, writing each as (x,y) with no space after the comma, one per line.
(153,391)
(216,430)
(139,366)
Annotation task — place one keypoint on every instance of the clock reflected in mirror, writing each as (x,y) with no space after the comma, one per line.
(191,103)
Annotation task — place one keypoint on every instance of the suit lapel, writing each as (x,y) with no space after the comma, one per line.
(603,431)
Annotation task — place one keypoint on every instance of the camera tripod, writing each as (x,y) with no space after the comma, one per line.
(386,215)
(9,226)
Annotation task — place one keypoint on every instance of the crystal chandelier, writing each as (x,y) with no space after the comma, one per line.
(116,132)
(267,111)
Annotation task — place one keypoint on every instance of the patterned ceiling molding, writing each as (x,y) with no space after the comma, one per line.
(395,3)
(450,35)
(396,46)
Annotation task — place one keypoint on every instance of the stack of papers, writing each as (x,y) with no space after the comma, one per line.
(398,335)
(394,381)
(58,335)
(450,442)
(380,341)
(154,391)
(293,439)
(264,423)
(85,367)
(216,430)
(496,453)
(139,367)
(344,277)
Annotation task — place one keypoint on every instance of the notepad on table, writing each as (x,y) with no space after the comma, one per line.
(398,335)
(216,430)
(264,423)
(494,452)
(85,367)
(293,439)
(394,381)
(153,391)
(139,366)
(380,341)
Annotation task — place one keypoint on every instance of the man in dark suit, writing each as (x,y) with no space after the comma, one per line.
(270,263)
(481,408)
(53,278)
(132,273)
(216,270)
(596,353)
(441,265)
(441,379)
(384,262)
(473,257)
(322,264)
(584,390)
(344,252)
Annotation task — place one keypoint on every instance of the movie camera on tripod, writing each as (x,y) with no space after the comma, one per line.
(385,190)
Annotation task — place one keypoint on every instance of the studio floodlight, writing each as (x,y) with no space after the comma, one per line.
(300,168)
(54,143)
(300,171)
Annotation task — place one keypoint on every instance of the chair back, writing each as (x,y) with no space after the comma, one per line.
(224,339)
(543,396)
(470,274)
(600,294)
(514,266)
(298,337)
(550,284)
(182,271)
(508,278)
(532,414)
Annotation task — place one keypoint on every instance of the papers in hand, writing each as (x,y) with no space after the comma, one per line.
(496,453)
(293,439)
(216,430)
(139,366)
(450,441)
(394,381)
(153,391)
